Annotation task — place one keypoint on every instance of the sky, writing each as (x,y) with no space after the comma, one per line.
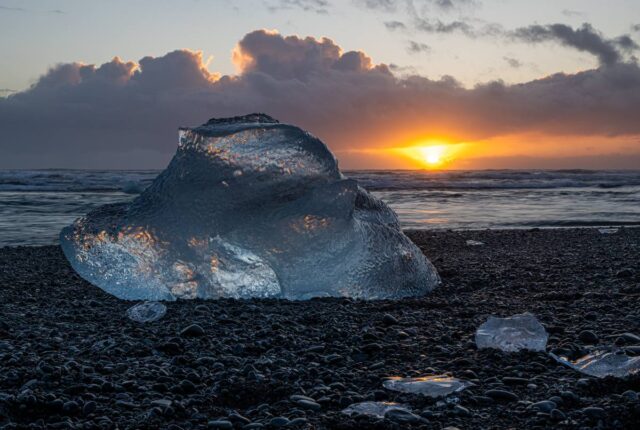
(459,84)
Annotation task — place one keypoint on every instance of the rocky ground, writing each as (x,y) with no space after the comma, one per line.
(69,357)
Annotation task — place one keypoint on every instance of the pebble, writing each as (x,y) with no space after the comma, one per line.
(194,330)
(594,412)
(543,406)
(220,424)
(389,319)
(279,421)
(588,337)
(502,395)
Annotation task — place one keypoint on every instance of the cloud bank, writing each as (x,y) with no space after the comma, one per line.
(80,115)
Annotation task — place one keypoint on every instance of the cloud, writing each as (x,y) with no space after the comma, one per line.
(395,25)
(394,5)
(572,13)
(79,115)
(317,6)
(417,48)
(585,38)
(13,9)
(513,62)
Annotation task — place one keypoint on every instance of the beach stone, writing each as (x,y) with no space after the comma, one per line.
(630,395)
(389,319)
(308,404)
(558,415)
(89,408)
(194,330)
(279,421)
(588,337)
(624,273)
(501,395)
(543,406)
(220,424)
(594,412)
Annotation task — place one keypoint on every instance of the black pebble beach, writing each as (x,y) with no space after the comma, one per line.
(71,359)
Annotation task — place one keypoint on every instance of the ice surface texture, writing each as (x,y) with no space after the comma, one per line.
(601,362)
(431,386)
(512,334)
(248,207)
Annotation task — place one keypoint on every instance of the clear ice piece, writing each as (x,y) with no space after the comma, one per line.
(248,207)
(431,386)
(147,312)
(474,243)
(608,230)
(374,409)
(512,334)
(601,362)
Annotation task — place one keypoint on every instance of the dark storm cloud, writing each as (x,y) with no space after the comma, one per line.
(414,47)
(78,115)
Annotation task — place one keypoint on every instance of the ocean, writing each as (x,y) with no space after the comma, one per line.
(36,204)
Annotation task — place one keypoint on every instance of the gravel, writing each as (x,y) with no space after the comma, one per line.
(70,357)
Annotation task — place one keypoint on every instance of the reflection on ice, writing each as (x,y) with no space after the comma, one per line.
(431,386)
(511,334)
(248,207)
(601,362)
(374,409)
(147,311)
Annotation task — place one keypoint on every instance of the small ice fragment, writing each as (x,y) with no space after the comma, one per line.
(522,331)
(601,362)
(374,409)
(432,386)
(474,243)
(608,230)
(147,311)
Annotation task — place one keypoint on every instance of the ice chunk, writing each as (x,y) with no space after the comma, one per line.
(511,334)
(374,409)
(431,386)
(147,311)
(601,362)
(608,230)
(248,207)
(474,243)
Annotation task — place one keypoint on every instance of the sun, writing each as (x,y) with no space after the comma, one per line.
(432,155)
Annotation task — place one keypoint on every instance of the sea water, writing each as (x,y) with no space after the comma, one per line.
(36,204)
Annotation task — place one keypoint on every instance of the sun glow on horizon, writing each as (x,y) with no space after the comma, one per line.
(430,156)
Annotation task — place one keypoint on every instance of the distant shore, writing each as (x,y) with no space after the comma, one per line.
(70,358)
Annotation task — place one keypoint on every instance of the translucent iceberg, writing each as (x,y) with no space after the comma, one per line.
(601,362)
(147,312)
(248,207)
(512,334)
(431,386)
(374,409)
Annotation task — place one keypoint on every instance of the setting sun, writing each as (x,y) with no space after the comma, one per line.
(431,156)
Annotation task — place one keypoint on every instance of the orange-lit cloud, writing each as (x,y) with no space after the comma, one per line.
(87,116)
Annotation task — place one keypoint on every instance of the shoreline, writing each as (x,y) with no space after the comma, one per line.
(69,357)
